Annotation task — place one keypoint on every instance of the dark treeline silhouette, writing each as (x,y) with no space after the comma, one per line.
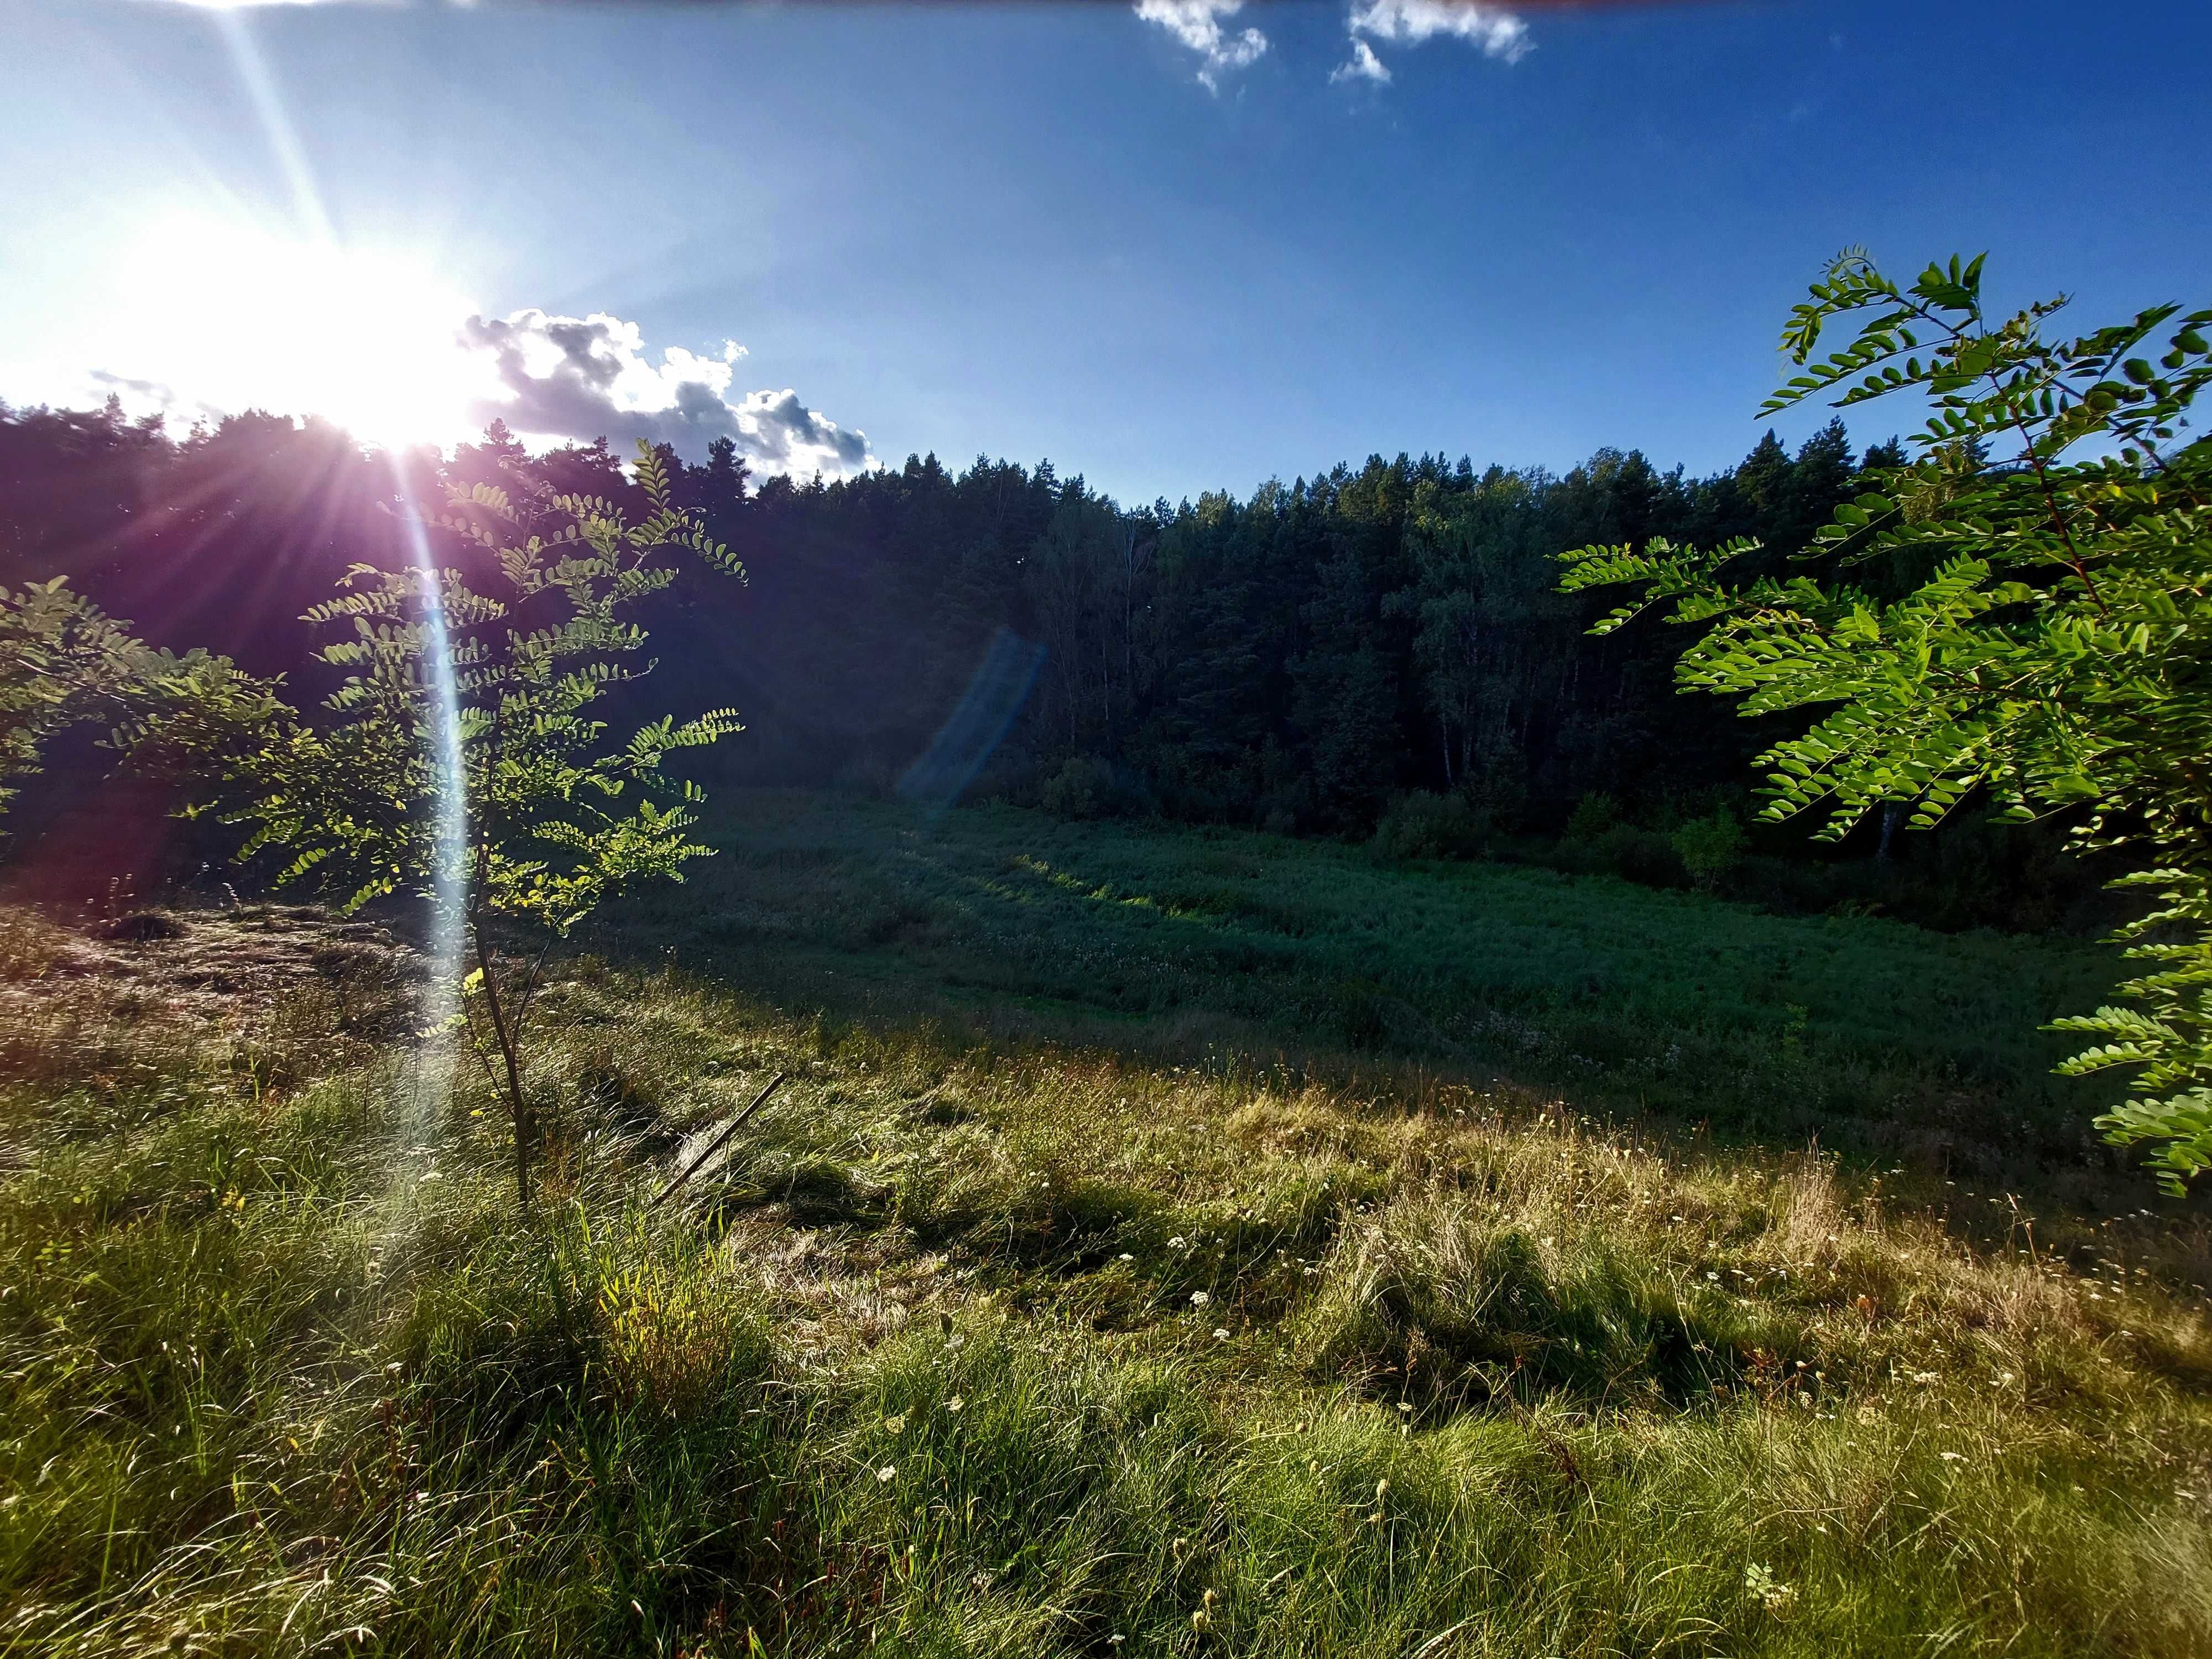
(1313,658)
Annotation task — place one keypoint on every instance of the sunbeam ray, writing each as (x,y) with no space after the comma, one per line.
(449,894)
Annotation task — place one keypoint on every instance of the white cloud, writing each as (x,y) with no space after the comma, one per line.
(1494,32)
(588,377)
(1197,24)
(1365,65)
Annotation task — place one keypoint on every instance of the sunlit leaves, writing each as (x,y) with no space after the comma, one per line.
(64,662)
(2053,654)
(558,816)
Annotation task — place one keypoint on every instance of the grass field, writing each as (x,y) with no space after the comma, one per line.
(1872,1036)
(1164,1243)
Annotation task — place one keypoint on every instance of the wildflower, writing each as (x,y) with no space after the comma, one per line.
(1952,1457)
(1200,1298)
(894,1425)
(1381,1489)
(1713,1278)
(1405,1406)
(955,1403)
(887,1472)
(1771,1592)
(1220,1333)
(1178,1243)
(1125,1256)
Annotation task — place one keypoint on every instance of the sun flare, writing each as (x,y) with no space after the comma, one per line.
(365,337)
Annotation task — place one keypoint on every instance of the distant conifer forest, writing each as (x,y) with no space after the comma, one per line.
(1379,651)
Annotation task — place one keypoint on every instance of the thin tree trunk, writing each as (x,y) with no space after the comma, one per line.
(518,1108)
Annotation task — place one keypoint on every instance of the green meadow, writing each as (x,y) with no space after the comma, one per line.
(1863,1034)
(1161,1243)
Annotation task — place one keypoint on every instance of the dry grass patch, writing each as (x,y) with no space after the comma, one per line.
(977,1346)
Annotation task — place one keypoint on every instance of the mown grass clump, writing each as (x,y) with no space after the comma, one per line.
(972,1344)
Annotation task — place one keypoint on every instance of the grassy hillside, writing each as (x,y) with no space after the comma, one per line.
(1151,1251)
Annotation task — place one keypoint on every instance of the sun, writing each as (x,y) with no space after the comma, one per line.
(231,317)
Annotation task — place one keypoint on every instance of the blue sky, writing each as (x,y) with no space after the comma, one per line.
(1031,230)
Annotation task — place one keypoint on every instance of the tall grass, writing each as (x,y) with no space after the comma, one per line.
(995,1346)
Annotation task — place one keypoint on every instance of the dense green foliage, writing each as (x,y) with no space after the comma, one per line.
(65,664)
(983,1344)
(1293,657)
(2025,608)
(554,817)
(1382,652)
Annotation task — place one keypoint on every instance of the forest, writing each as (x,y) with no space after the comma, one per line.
(1376,652)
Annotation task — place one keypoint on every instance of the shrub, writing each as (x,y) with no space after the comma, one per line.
(1087,786)
(1709,848)
(1421,825)
(1594,814)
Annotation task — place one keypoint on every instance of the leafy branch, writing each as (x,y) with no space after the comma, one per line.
(2052,652)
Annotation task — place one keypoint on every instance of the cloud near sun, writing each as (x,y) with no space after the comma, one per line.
(589,377)
(1198,25)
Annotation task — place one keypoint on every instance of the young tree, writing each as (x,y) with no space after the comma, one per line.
(464,762)
(2050,542)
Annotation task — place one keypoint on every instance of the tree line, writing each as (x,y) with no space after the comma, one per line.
(1292,659)
(1381,651)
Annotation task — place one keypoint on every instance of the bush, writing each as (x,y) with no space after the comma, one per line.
(1085,787)
(1594,814)
(1710,847)
(1421,825)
